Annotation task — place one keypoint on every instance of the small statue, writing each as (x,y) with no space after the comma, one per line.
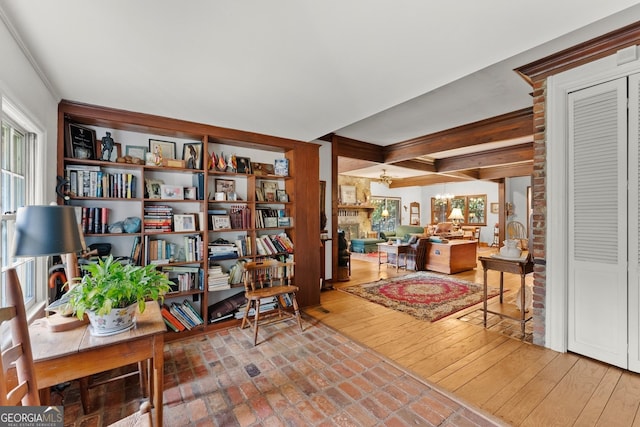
(107,147)
(157,156)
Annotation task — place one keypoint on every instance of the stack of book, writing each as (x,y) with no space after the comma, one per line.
(218,251)
(266,304)
(180,316)
(217,279)
(240,216)
(157,218)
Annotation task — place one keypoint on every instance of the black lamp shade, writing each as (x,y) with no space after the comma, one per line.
(46,230)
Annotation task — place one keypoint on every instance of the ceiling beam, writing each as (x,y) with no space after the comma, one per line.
(500,156)
(517,124)
(347,147)
(416,164)
(507,171)
(425,180)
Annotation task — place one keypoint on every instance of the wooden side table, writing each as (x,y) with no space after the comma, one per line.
(401,249)
(521,266)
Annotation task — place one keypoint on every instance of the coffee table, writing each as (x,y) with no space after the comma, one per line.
(397,249)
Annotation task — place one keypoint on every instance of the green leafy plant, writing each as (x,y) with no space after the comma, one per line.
(111,284)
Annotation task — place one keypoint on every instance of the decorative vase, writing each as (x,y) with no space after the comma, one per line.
(116,321)
(510,249)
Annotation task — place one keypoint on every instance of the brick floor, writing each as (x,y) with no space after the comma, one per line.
(312,378)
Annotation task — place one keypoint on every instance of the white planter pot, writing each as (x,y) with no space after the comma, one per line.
(116,321)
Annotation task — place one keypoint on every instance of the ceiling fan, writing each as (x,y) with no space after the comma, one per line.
(384,178)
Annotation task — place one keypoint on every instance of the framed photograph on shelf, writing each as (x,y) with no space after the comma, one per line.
(162,149)
(495,208)
(220,222)
(225,186)
(244,164)
(153,188)
(115,152)
(269,189)
(190,193)
(282,196)
(171,192)
(192,155)
(348,194)
(81,142)
(262,168)
(281,167)
(138,151)
(184,222)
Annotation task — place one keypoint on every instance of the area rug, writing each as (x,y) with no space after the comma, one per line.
(425,296)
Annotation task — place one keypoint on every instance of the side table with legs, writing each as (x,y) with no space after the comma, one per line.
(401,249)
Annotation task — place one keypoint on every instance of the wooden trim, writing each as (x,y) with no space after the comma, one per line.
(513,154)
(517,124)
(347,147)
(580,54)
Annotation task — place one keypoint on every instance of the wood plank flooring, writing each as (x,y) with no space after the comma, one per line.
(520,383)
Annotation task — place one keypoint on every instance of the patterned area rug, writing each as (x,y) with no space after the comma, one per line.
(424,295)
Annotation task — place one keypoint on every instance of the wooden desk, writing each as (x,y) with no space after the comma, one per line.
(393,249)
(74,354)
(521,266)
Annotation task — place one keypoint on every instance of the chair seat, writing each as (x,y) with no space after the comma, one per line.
(271,292)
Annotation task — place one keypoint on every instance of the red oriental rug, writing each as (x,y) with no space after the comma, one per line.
(424,295)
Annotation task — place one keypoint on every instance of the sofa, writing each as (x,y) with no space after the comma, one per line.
(368,245)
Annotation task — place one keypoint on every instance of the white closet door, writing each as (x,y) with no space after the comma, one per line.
(634,223)
(597,175)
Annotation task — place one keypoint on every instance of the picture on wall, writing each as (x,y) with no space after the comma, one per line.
(192,155)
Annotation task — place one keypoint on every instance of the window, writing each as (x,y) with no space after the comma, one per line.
(19,177)
(378,221)
(473,208)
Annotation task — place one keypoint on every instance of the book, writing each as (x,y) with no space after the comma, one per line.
(166,314)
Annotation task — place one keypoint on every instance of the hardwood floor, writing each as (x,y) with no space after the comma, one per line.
(522,384)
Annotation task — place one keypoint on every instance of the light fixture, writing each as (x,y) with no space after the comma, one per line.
(456,216)
(384,178)
(444,196)
(45,230)
(385,211)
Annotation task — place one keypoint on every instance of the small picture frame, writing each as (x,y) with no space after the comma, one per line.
(220,222)
(192,155)
(262,168)
(162,149)
(225,186)
(153,188)
(171,192)
(269,188)
(184,222)
(495,208)
(348,194)
(190,193)
(244,164)
(138,151)
(115,153)
(81,142)
(281,167)
(282,196)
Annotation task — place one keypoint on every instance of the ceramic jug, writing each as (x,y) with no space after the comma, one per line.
(510,249)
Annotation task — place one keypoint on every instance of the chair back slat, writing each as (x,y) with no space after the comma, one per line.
(270,273)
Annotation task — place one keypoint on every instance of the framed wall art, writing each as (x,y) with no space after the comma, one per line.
(220,222)
(153,188)
(348,194)
(81,142)
(172,192)
(225,186)
(192,155)
(138,151)
(162,149)
(244,164)
(184,222)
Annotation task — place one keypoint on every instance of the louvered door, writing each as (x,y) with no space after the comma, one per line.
(634,223)
(597,175)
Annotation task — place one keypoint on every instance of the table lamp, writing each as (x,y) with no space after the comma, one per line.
(44,230)
(456,216)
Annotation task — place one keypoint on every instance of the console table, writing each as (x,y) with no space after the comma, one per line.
(521,266)
(73,354)
(401,249)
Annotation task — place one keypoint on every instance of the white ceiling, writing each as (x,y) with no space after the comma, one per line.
(376,71)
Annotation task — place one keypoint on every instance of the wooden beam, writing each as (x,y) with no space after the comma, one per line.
(508,171)
(347,147)
(416,164)
(500,156)
(517,124)
(425,180)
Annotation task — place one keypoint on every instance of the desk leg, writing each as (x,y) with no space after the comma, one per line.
(522,307)
(501,285)
(484,299)
(379,259)
(158,373)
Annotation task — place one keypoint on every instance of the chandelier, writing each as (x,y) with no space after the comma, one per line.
(444,196)
(384,178)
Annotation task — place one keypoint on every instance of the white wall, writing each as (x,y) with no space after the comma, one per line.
(21,85)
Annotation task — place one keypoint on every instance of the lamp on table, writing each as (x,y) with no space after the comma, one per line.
(456,216)
(45,230)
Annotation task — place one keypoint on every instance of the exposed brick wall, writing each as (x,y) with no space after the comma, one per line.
(539,196)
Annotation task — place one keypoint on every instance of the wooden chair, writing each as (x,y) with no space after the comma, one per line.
(517,231)
(18,354)
(269,279)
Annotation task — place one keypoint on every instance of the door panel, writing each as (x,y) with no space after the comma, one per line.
(597,175)
(633,223)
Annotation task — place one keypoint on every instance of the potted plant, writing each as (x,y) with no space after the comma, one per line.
(110,292)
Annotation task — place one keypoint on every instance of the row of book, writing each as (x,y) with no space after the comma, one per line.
(273,244)
(91,181)
(180,316)
(240,216)
(94,220)
(184,278)
(157,218)
(220,251)
(268,217)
